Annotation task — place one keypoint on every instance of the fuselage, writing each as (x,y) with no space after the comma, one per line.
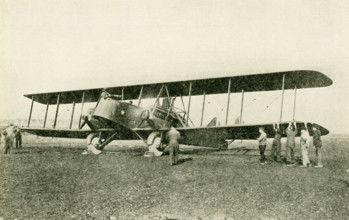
(120,115)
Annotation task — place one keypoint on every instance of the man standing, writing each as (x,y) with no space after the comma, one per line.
(305,145)
(276,146)
(18,137)
(262,144)
(7,142)
(291,133)
(317,144)
(104,94)
(172,137)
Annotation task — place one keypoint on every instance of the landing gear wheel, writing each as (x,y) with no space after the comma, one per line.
(154,145)
(93,142)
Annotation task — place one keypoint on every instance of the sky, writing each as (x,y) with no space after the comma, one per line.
(73,44)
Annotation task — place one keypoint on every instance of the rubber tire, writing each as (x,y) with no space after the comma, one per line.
(92,146)
(90,138)
(152,137)
(153,143)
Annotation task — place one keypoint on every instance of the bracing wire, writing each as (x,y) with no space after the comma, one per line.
(267,107)
(254,99)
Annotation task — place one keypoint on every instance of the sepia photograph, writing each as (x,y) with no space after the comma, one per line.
(171,110)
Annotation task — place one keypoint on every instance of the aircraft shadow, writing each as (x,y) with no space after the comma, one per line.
(134,151)
(180,161)
(20,151)
(199,151)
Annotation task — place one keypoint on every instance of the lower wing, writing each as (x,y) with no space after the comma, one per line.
(216,136)
(62,133)
(212,136)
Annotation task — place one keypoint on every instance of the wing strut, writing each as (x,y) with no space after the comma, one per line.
(172,107)
(242,105)
(72,115)
(190,85)
(203,109)
(168,94)
(31,110)
(294,103)
(140,96)
(57,109)
(185,111)
(82,107)
(227,114)
(157,98)
(282,97)
(47,105)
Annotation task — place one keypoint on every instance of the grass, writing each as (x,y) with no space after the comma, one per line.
(51,179)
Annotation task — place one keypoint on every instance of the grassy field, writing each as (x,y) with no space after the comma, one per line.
(51,179)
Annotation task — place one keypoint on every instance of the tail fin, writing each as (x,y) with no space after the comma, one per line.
(213,122)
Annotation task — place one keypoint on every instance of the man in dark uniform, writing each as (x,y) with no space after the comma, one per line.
(276,146)
(291,133)
(172,136)
(18,137)
(317,144)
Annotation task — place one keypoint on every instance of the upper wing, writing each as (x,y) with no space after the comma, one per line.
(248,83)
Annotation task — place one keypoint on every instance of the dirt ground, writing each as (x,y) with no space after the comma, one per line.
(50,179)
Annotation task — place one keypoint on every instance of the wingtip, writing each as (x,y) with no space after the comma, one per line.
(327,81)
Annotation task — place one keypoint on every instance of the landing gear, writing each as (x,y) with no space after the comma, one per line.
(155,145)
(97,141)
(93,141)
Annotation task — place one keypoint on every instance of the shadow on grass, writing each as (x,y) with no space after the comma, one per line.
(346,182)
(20,151)
(180,161)
(201,151)
(134,151)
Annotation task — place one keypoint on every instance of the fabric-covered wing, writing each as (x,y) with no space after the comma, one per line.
(60,133)
(217,136)
(249,83)
(125,134)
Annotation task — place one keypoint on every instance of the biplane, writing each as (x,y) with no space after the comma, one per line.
(114,117)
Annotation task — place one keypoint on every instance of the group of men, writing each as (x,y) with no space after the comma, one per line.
(291,132)
(172,137)
(11,136)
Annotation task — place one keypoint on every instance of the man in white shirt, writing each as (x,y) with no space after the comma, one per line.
(305,138)
(262,144)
